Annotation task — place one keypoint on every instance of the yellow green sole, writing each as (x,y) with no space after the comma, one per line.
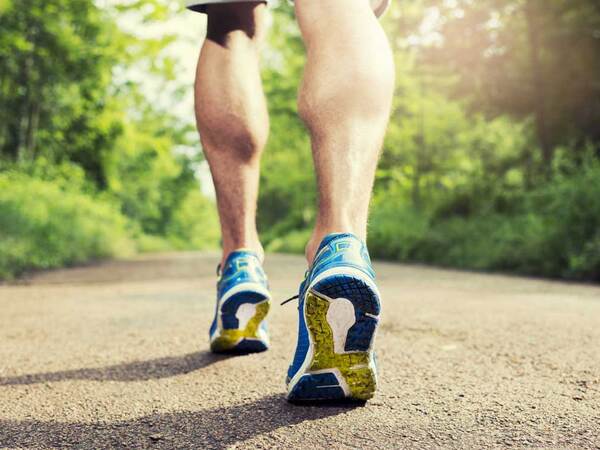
(246,339)
(355,368)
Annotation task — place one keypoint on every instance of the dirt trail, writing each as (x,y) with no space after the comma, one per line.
(115,355)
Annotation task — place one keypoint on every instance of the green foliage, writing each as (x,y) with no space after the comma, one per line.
(396,228)
(44,226)
(464,180)
(56,60)
(552,231)
(101,159)
(4,5)
(146,178)
(291,242)
(527,58)
(490,161)
(571,209)
(288,195)
(194,225)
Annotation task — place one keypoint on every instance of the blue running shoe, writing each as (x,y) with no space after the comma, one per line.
(339,306)
(243,301)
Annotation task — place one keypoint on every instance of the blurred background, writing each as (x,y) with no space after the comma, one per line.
(491,162)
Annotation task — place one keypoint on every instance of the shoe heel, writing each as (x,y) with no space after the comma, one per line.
(232,338)
(365,301)
(340,369)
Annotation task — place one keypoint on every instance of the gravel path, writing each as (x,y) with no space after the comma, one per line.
(115,355)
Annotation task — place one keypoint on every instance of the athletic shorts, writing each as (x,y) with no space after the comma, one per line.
(379,6)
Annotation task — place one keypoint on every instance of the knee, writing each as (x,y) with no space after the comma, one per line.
(232,23)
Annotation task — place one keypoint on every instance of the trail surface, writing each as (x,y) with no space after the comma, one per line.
(115,355)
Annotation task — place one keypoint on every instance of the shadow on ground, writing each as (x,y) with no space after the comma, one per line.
(206,428)
(134,371)
(209,428)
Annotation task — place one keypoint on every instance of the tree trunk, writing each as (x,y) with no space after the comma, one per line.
(23,119)
(539,90)
(416,188)
(32,125)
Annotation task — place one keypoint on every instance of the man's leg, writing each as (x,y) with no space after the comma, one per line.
(233,123)
(345,100)
(232,117)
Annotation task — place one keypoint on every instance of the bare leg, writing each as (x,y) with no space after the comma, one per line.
(232,117)
(345,100)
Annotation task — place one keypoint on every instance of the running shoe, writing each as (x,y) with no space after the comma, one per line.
(339,306)
(243,301)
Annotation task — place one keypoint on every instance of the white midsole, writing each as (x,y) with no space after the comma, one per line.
(309,354)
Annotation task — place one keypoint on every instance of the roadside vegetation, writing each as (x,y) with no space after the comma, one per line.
(491,161)
(90,167)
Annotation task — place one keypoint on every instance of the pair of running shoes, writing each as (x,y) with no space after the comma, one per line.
(338,305)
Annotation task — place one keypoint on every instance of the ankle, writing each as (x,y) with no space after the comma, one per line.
(254,246)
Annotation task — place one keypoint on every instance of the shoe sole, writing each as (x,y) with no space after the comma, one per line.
(341,312)
(230,338)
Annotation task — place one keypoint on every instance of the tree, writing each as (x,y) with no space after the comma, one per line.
(56,60)
(526,58)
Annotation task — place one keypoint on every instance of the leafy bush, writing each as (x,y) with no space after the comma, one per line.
(571,207)
(195,224)
(44,226)
(292,242)
(394,228)
(487,242)
(553,231)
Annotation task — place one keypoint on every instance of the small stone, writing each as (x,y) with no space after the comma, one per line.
(156,436)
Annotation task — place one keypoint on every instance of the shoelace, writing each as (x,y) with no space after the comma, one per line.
(290,299)
(297,296)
